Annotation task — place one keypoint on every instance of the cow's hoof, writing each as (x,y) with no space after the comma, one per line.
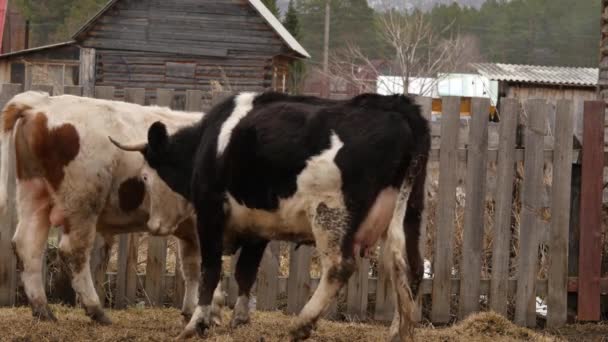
(98,315)
(301,332)
(216,319)
(186,317)
(238,320)
(201,327)
(43,313)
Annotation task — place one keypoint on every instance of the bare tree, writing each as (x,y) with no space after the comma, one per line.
(416,49)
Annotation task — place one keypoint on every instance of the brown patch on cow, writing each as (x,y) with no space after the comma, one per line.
(27,164)
(131,194)
(54,148)
(11,114)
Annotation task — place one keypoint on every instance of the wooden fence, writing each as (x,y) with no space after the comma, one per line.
(369,297)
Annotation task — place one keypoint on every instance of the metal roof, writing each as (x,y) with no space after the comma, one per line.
(276,25)
(35,49)
(552,75)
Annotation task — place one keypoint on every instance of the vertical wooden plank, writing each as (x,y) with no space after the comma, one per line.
(503,197)
(537,111)
(268,278)
(155,270)
(135,95)
(98,267)
(164,97)
(426,108)
(8,219)
(357,290)
(560,216)
(591,212)
(179,288)
(446,210)
(477,164)
(194,100)
(87,71)
(298,283)
(384,294)
(102,92)
(73,90)
(233,288)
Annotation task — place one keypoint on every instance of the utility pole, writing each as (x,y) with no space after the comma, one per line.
(325,88)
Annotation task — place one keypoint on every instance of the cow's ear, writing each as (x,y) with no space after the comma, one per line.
(157,136)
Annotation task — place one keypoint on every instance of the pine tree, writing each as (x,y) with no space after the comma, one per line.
(297,69)
(272,7)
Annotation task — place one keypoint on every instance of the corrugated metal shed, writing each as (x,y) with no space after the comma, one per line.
(552,75)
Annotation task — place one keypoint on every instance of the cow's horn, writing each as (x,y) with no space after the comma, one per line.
(135,147)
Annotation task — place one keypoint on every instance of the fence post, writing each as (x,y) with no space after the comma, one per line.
(474,212)
(268,278)
(504,201)
(8,220)
(87,71)
(591,212)
(356,293)
(446,210)
(560,215)
(525,314)
(298,283)
(194,100)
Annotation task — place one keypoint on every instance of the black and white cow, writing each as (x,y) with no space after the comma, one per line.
(342,175)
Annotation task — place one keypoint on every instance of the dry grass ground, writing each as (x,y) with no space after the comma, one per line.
(17,325)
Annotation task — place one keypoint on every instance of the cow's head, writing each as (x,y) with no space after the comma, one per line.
(167,207)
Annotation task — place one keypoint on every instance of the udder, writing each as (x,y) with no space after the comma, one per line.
(376,222)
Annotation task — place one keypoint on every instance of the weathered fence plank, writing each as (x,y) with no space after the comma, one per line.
(126,280)
(503,197)
(591,212)
(104,92)
(164,97)
(298,283)
(560,216)
(73,90)
(536,112)
(179,286)
(194,100)
(474,212)
(43,87)
(357,291)
(8,220)
(87,71)
(155,270)
(268,278)
(446,210)
(426,108)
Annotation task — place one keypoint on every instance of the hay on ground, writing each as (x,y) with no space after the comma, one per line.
(164,324)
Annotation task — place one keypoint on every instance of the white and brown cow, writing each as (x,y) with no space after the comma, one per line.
(69,175)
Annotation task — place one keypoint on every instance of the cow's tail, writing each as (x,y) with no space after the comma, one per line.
(7,141)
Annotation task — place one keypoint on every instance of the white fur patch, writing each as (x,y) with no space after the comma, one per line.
(320,181)
(243,103)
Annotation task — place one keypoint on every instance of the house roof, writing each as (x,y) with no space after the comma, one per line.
(36,49)
(276,25)
(552,75)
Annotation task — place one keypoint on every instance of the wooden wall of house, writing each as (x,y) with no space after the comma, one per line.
(185,44)
(14,30)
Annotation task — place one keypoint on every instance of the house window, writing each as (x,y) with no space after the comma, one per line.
(18,73)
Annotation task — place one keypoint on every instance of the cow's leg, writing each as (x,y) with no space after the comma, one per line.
(245,275)
(210,224)
(330,227)
(411,224)
(75,248)
(395,261)
(190,255)
(29,242)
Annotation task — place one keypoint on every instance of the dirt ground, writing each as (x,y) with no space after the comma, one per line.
(17,325)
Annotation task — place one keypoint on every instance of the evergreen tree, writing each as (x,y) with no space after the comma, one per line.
(272,7)
(297,69)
